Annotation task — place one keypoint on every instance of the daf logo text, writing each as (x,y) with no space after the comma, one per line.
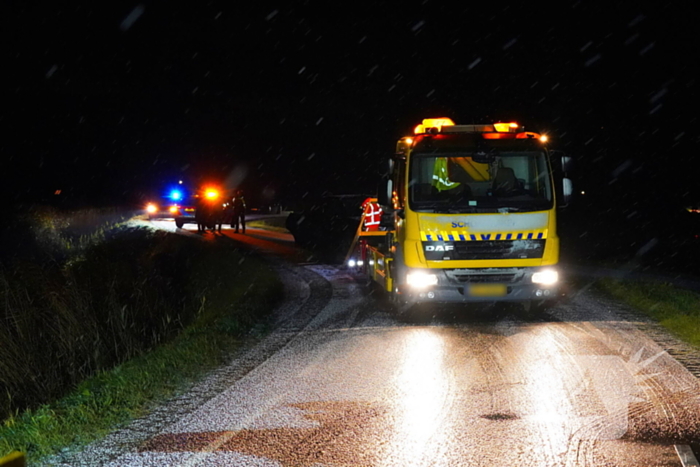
(439,247)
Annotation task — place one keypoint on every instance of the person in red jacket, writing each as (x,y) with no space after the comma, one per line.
(373,214)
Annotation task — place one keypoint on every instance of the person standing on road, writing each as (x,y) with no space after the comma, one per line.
(238,212)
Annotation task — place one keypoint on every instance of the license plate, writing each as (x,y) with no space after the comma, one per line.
(487,290)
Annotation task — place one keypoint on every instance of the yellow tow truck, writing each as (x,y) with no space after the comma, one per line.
(468,215)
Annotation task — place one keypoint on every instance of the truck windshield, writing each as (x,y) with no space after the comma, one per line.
(504,181)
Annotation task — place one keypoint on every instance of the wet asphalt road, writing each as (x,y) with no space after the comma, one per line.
(343,382)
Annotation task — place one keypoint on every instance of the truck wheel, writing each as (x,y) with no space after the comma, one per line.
(179,223)
(399,306)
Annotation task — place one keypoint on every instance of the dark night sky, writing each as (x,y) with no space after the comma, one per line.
(298,96)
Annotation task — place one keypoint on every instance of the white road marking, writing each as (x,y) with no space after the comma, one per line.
(688,459)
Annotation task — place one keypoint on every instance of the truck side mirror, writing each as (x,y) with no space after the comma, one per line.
(567,164)
(386,189)
(561,161)
(562,166)
(567,191)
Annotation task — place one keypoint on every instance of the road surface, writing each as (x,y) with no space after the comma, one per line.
(343,382)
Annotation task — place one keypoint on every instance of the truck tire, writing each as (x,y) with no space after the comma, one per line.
(179,223)
(400,307)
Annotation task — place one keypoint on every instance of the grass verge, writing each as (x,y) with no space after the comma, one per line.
(238,290)
(677,310)
(276,224)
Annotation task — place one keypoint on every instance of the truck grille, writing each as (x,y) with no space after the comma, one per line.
(488,249)
(504,249)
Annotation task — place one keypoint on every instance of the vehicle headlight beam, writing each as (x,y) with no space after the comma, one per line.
(546,277)
(421,279)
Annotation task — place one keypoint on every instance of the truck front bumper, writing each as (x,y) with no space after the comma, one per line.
(482,286)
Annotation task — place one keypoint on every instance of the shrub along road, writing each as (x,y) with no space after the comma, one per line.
(224,292)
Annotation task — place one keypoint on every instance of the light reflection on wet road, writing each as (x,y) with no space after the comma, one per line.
(352,385)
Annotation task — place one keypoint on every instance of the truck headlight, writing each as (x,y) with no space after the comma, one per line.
(421,279)
(546,277)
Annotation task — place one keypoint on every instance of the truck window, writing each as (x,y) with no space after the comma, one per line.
(519,180)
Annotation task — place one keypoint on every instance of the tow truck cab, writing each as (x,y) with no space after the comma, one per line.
(470,217)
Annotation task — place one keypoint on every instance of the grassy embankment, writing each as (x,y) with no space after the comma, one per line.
(606,239)
(276,224)
(675,309)
(98,326)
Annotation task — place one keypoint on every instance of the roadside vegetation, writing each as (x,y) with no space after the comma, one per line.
(640,242)
(675,309)
(276,224)
(99,321)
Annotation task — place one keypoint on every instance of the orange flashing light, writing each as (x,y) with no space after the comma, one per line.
(528,135)
(211,193)
(174,209)
(151,208)
(438,122)
(506,127)
(497,135)
(521,135)
(433,123)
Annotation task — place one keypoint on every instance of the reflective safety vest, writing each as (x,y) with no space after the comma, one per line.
(441,178)
(373,214)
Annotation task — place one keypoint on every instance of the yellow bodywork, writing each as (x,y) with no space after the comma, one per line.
(414,232)
(418,227)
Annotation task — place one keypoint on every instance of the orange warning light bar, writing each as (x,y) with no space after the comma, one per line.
(506,127)
(497,136)
(433,123)
(528,135)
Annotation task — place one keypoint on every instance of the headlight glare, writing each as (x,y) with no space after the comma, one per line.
(421,279)
(546,277)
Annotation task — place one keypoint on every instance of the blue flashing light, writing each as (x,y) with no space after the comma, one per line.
(176,195)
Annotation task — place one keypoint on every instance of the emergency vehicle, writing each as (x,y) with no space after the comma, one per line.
(468,214)
(202,207)
(168,208)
